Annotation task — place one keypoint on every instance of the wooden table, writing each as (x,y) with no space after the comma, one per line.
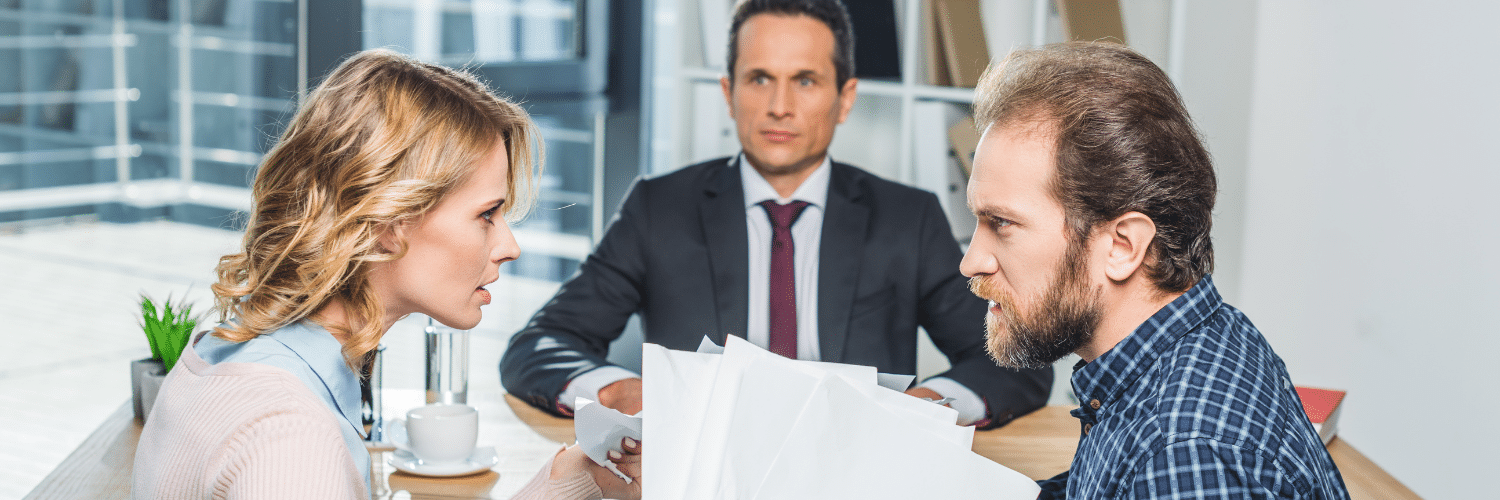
(1039,445)
(523,436)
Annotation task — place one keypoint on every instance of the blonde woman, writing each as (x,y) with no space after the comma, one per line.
(387,195)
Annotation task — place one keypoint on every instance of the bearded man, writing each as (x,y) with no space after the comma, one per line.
(1094,196)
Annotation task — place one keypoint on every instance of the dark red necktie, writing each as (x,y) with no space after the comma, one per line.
(783,282)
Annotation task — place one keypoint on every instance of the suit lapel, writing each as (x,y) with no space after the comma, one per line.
(723,221)
(844,223)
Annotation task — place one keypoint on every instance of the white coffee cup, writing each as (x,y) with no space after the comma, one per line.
(442,432)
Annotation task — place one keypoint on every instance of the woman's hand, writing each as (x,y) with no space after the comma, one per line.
(629,464)
(573,461)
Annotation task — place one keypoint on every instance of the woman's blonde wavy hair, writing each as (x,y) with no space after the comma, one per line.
(376,145)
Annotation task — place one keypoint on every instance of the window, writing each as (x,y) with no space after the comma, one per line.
(530,50)
(464,32)
(138,109)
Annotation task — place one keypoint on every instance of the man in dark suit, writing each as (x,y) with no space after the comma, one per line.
(806,257)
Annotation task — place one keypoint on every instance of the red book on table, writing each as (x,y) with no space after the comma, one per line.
(1322,407)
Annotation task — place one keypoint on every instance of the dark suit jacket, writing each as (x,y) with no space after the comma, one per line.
(677,255)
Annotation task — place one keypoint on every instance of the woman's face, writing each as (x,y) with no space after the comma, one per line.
(453,251)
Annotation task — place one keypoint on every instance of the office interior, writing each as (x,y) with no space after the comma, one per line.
(1353,142)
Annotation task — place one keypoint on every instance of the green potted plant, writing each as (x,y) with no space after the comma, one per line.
(169,331)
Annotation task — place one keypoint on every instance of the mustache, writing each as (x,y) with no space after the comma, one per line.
(1060,320)
(982,288)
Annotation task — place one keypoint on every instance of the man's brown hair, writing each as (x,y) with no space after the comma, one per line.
(830,12)
(1125,143)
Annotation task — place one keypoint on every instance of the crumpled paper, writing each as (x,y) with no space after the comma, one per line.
(599,429)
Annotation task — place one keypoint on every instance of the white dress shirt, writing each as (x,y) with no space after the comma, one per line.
(807,236)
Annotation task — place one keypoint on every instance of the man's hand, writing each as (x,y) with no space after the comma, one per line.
(624,396)
(923,392)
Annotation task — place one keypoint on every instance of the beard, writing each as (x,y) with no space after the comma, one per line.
(1060,321)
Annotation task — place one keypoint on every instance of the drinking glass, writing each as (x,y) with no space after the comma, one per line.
(371,406)
(447,364)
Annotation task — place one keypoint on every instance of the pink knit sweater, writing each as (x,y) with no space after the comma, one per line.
(252,431)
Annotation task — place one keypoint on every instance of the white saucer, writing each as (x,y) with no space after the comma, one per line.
(480,461)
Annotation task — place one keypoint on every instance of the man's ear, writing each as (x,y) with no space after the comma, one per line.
(847,94)
(1130,238)
(728,88)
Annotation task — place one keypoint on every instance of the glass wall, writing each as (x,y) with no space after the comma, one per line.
(131,109)
(128,110)
(460,32)
(504,38)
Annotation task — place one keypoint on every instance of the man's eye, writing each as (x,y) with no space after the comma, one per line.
(806,82)
(999,222)
(759,80)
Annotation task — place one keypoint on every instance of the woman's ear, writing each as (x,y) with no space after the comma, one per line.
(390,237)
(1130,238)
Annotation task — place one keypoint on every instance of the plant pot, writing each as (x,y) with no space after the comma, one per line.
(146,376)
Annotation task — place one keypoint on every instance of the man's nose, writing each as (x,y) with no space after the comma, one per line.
(781,104)
(979,259)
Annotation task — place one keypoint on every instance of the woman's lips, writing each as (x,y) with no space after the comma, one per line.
(484,294)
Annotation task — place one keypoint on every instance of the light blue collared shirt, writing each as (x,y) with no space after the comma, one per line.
(310,353)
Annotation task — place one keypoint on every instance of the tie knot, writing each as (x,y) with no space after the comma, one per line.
(782,216)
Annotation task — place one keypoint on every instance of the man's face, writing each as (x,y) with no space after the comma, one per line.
(783,92)
(1043,303)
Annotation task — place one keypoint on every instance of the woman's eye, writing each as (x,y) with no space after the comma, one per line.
(489,215)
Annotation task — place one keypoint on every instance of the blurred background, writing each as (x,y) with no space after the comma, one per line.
(1353,141)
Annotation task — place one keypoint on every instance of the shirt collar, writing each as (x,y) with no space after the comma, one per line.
(324,355)
(813,190)
(1107,377)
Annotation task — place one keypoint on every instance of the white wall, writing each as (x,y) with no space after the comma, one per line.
(1214,77)
(1370,226)
(1354,223)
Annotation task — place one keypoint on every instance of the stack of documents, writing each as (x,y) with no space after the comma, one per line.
(748,424)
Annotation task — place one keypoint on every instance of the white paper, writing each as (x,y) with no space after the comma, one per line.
(750,424)
(707,346)
(600,428)
(677,383)
(830,455)
(896,383)
(771,404)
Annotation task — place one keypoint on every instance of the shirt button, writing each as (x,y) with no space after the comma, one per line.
(1094,403)
(1086,428)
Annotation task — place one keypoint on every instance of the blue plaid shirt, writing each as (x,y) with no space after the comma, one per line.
(1193,404)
